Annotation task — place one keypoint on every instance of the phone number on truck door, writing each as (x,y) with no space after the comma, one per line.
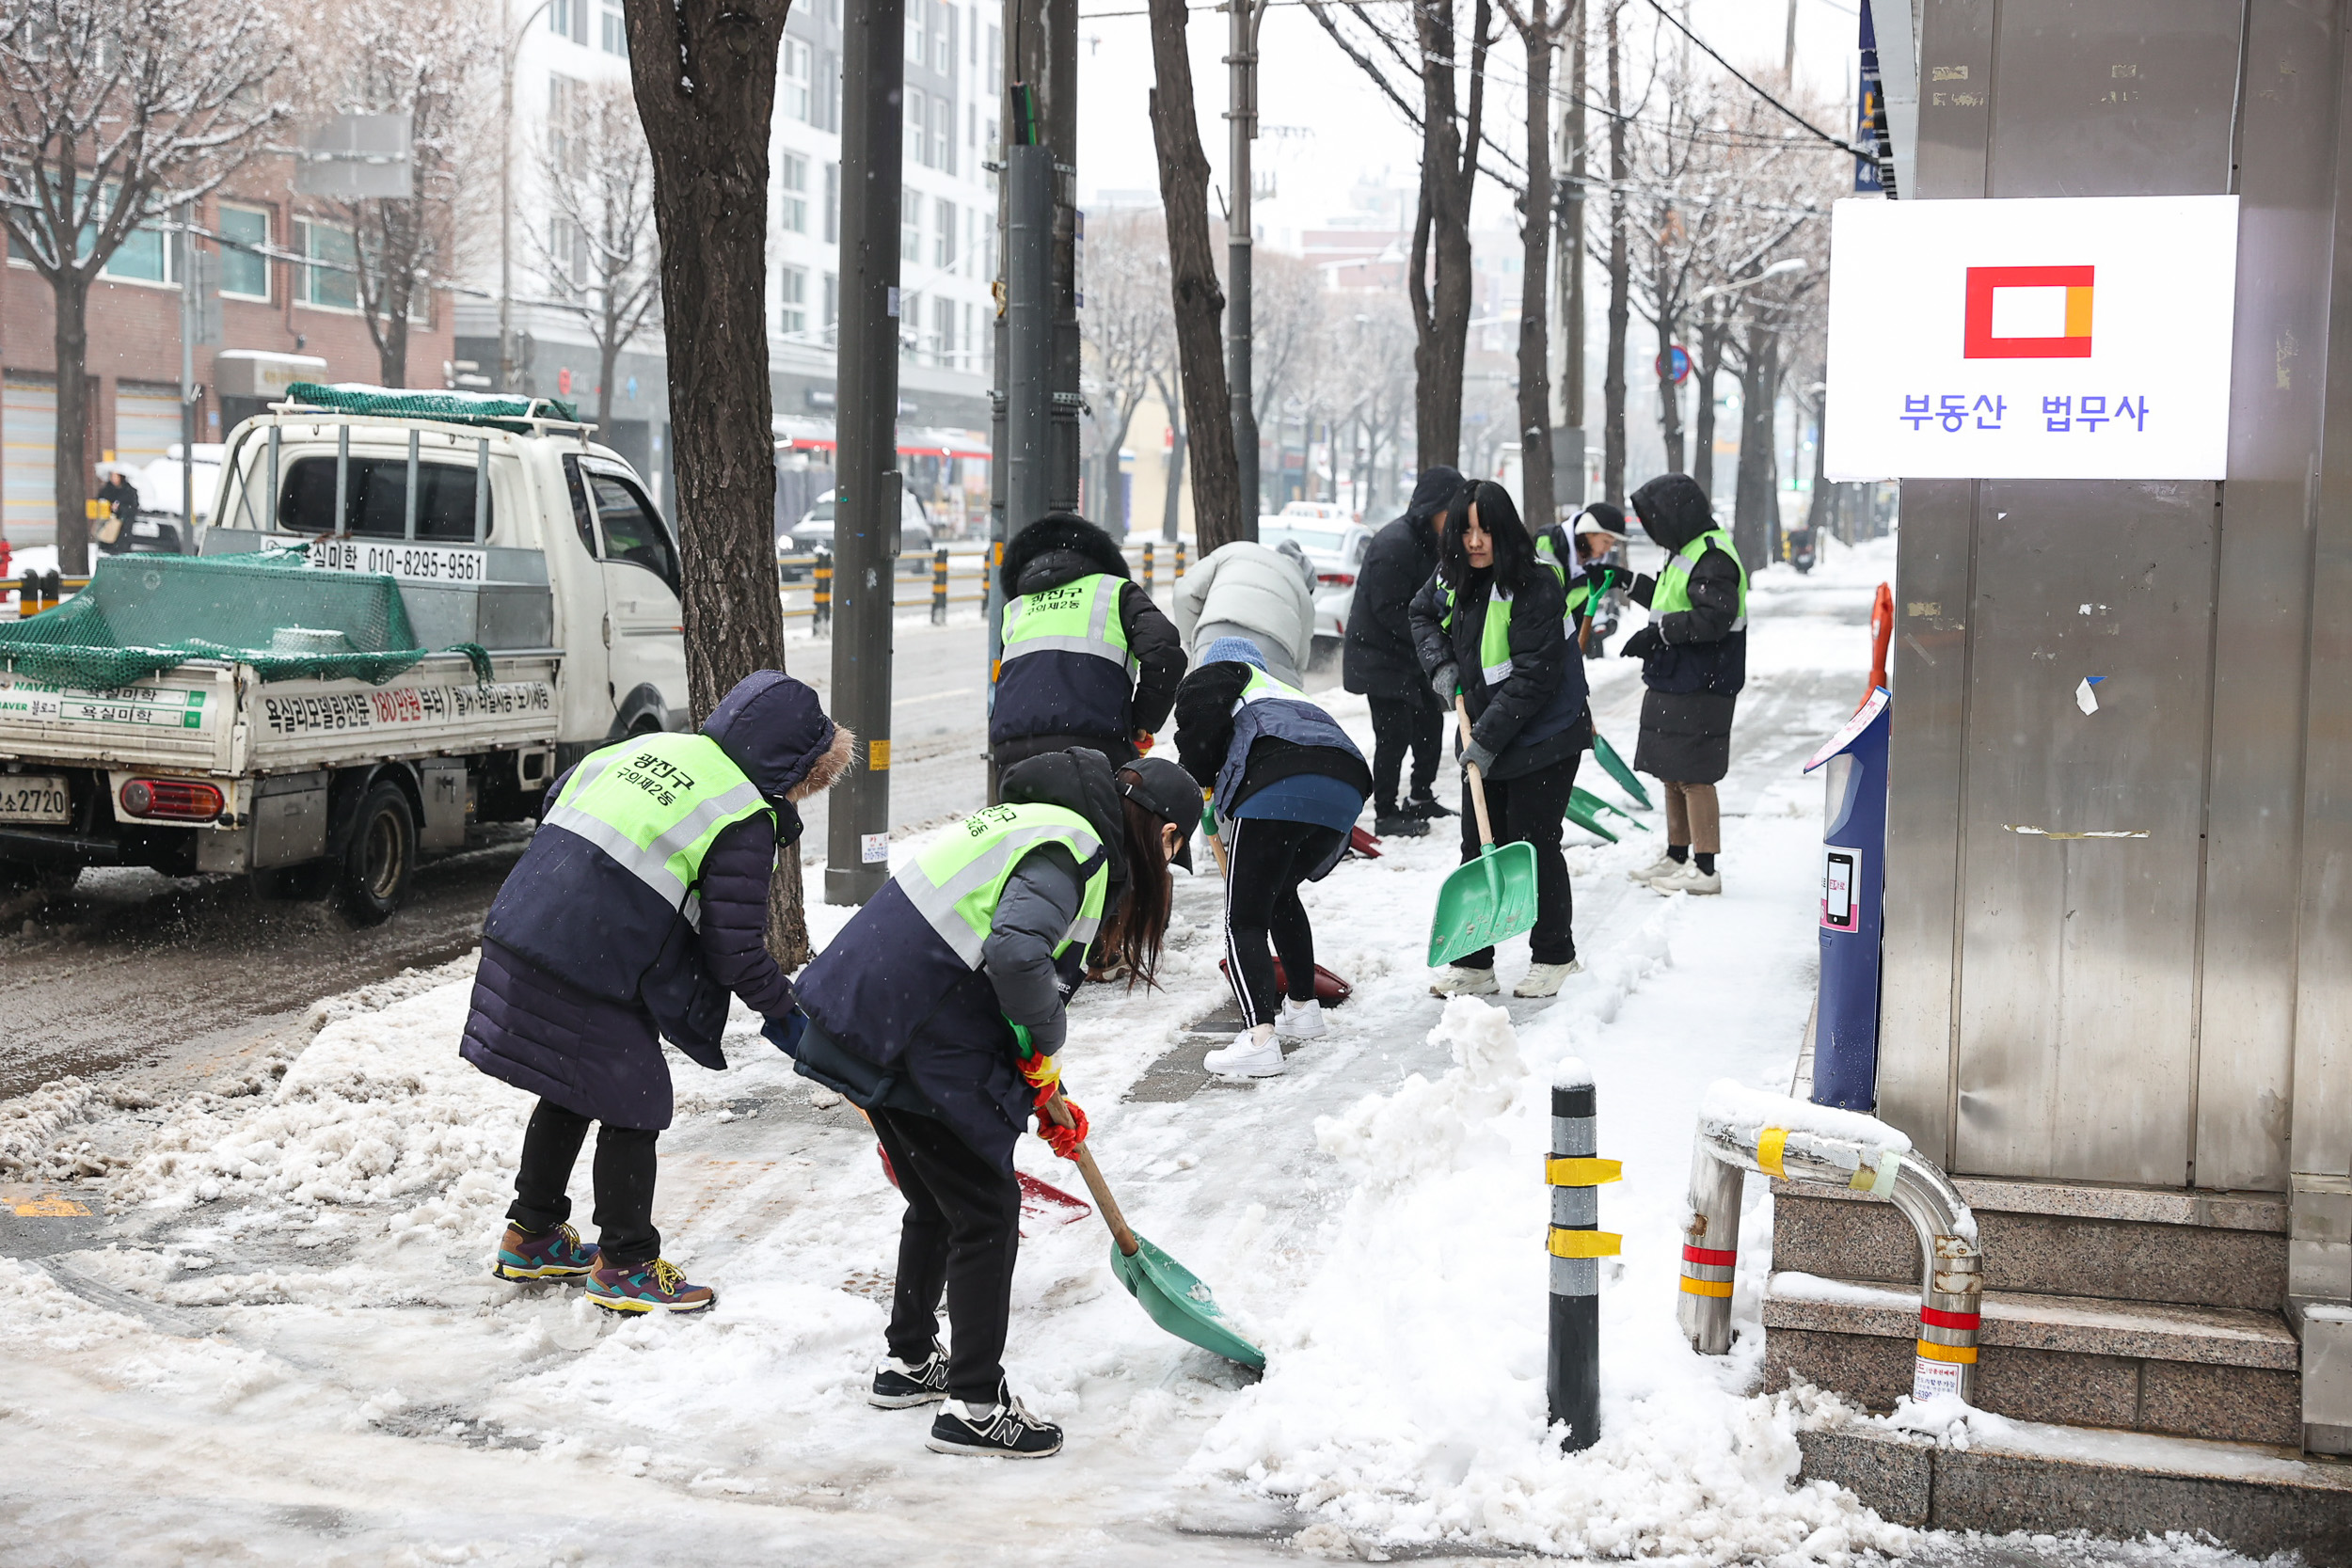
(394,707)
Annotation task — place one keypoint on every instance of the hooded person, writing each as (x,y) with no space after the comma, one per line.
(1379,660)
(640,906)
(1288,785)
(939,1011)
(1089,660)
(1252,591)
(1694,660)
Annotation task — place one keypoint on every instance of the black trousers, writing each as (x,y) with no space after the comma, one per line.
(1267,862)
(963,1229)
(1528,809)
(623,1178)
(1399,723)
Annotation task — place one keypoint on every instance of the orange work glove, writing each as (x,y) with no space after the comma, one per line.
(1042,1073)
(1063,1140)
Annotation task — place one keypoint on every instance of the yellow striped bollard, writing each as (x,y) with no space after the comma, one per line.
(1577,1244)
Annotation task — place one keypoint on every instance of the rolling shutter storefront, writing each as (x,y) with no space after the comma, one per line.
(147,423)
(28,458)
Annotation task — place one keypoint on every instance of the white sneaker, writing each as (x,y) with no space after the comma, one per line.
(1664,866)
(1254,1054)
(1300,1021)
(1546,979)
(1689,879)
(1456,980)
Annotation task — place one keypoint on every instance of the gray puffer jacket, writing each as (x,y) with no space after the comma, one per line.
(1245,589)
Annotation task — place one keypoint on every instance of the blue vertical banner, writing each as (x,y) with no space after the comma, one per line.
(1874,175)
(1853,858)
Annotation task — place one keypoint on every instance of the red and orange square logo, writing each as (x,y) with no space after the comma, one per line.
(1983,282)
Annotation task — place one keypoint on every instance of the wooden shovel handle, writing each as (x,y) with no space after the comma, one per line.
(1104,1204)
(1478,785)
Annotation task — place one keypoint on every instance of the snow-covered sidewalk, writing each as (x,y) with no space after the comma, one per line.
(286,1346)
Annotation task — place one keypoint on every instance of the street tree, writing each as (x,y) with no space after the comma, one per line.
(1540,26)
(598,249)
(426,59)
(704,74)
(1218,517)
(113,114)
(1125,326)
(1613,387)
(1288,320)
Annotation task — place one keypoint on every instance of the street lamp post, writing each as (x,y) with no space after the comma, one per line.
(514,42)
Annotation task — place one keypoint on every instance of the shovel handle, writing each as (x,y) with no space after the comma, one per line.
(1478,785)
(1104,1204)
(1217,847)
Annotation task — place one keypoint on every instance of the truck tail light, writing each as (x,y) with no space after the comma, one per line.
(171,800)
(1336,580)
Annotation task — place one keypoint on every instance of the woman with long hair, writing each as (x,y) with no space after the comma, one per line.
(1288,784)
(1491,630)
(939,1011)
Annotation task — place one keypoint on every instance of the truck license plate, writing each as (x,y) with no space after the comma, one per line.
(34,798)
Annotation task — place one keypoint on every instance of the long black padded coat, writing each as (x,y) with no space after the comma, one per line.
(1693,682)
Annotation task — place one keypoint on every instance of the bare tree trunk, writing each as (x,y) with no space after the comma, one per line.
(1750,501)
(1669,403)
(1536,478)
(72,292)
(391,349)
(705,72)
(1217,514)
(1441,305)
(1620,282)
(1572,252)
(1710,362)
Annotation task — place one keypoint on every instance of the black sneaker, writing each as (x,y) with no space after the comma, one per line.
(900,1386)
(1004,1429)
(1398,825)
(1426,807)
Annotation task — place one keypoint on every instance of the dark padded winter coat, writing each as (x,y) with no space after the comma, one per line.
(553,1035)
(1380,659)
(1052,551)
(1538,716)
(1283,743)
(1695,680)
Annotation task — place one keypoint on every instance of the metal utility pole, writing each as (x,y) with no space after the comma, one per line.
(1059,131)
(514,42)
(1242,123)
(865,431)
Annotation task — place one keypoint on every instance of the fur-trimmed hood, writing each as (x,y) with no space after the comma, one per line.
(1059,547)
(775,729)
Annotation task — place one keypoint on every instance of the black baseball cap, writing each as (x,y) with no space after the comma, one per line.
(1168,792)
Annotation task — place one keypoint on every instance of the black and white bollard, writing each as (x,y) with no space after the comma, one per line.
(1577,1244)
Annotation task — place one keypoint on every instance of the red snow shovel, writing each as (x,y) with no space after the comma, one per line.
(1040,1200)
(1329,989)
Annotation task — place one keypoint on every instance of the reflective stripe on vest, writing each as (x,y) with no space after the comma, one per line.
(956,882)
(653,806)
(1079,617)
(1494,637)
(1673,592)
(1262,687)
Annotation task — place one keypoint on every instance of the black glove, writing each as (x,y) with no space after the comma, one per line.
(1641,588)
(1446,682)
(1642,643)
(1475,755)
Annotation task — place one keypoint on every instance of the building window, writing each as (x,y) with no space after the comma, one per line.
(244,274)
(566,97)
(943,38)
(796,80)
(910,225)
(972,125)
(335,286)
(944,329)
(833,92)
(918,141)
(615,33)
(972,39)
(833,203)
(944,235)
(832,307)
(793,208)
(567,246)
(568,19)
(793,316)
(917,46)
(943,133)
(144,256)
(996,63)
(969,333)
(911,322)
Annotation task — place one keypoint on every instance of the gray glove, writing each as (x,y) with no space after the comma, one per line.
(1446,682)
(1475,755)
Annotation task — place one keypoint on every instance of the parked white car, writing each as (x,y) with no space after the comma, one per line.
(1335,547)
(814,533)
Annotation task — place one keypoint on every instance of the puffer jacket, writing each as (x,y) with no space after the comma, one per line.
(1537,715)
(1052,551)
(557,1033)
(1249,590)
(1380,659)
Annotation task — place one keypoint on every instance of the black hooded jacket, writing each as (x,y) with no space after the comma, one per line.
(1380,660)
(1059,549)
(1703,652)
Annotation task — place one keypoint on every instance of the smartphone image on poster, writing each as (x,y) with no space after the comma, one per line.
(1841,871)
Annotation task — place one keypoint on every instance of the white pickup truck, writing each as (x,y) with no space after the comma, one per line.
(559,566)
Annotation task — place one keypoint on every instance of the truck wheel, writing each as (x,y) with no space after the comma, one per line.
(382,854)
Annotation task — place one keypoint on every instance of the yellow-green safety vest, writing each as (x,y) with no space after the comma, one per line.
(654,805)
(956,882)
(1079,617)
(1673,591)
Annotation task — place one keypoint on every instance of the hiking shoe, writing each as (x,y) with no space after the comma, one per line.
(557,1253)
(1664,866)
(1398,825)
(656,1287)
(1458,980)
(1546,979)
(1427,808)
(1689,879)
(899,1386)
(1247,1057)
(1004,1430)
(1300,1021)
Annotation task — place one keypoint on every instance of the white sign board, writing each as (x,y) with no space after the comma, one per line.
(2060,338)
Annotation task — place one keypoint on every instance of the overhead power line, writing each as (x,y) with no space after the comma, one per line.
(1745,81)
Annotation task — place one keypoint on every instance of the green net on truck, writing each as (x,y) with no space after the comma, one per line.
(145,613)
(497,410)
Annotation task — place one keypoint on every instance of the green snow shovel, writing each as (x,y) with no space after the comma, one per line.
(1614,767)
(1584,809)
(1171,1292)
(1488,898)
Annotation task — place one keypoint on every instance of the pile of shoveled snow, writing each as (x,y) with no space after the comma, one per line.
(1403,1401)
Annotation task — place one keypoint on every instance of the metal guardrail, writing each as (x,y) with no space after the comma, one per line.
(950,568)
